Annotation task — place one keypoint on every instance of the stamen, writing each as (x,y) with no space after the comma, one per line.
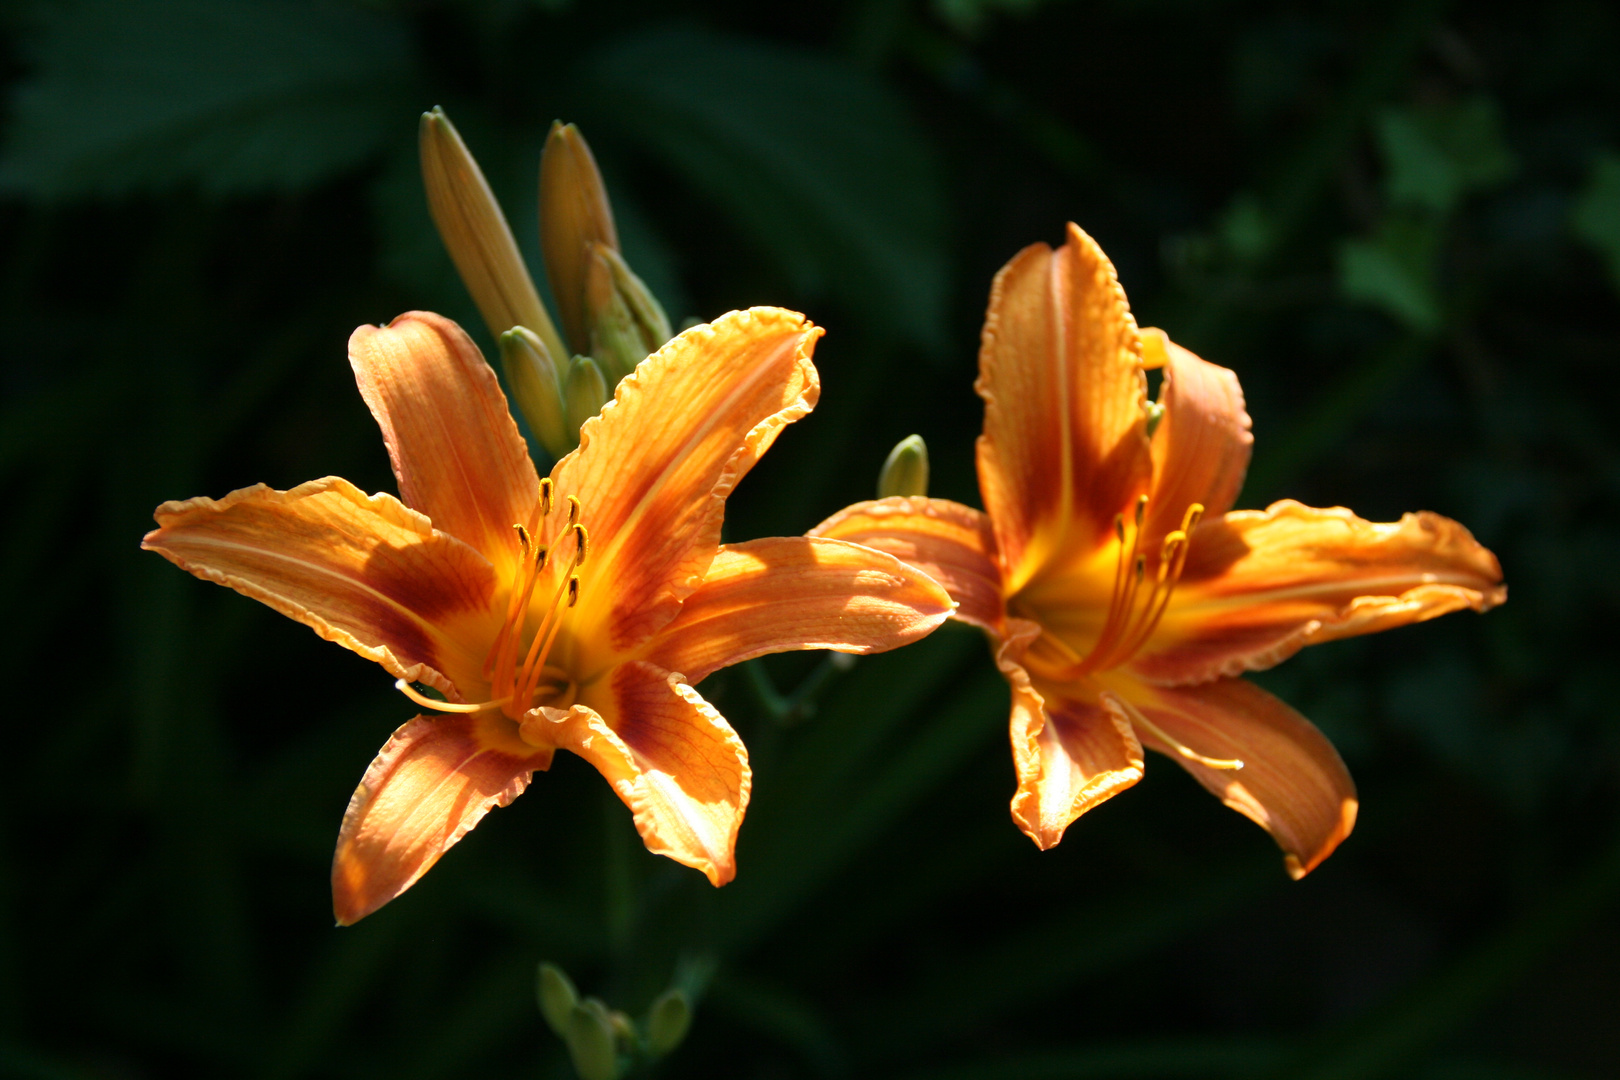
(535,664)
(1132,616)
(1172,555)
(443,706)
(573,509)
(1194,514)
(503,653)
(1224,764)
(545,496)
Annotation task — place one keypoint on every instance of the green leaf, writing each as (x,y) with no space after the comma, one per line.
(817,162)
(1435,156)
(231,97)
(1392,271)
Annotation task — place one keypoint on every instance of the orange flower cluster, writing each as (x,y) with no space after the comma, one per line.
(1123,595)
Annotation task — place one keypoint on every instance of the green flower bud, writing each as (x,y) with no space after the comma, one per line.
(625,320)
(475,233)
(575,216)
(585,393)
(557,997)
(906,470)
(1155,413)
(591,1041)
(532,374)
(668,1021)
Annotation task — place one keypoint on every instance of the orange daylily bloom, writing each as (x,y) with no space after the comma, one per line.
(1123,595)
(573,612)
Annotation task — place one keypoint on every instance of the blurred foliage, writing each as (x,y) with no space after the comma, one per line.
(1395,221)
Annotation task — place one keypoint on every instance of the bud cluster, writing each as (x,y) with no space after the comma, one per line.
(610,319)
(604,1043)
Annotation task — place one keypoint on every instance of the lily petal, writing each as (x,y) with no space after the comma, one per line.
(1292,783)
(363,571)
(1260,585)
(1201,448)
(1072,750)
(655,467)
(951,543)
(798,592)
(432,782)
(674,761)
(455,450)
(1064,447)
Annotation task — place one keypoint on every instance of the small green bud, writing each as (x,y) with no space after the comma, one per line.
(591,1041)
(532,374)
(906,470)
(668,1021)
(557,997)
(585,394)
(1155,413)
(626,322)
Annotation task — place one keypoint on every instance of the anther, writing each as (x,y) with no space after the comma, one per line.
(582,545)
(1141,509)
(1194,514)
(523,539)
(573,590)
(573,509)
(545,496)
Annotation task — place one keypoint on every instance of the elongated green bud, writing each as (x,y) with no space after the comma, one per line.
(585,393)
(557,997)
(668,1021)
(906,470)
(475,233)
(626,321)
(532,375)
(591,1041)
(575,215)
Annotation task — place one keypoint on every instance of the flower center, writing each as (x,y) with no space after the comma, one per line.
(1137,602)
(515,665)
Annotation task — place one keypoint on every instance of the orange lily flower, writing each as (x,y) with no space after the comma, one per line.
(570,613)
(1121,593)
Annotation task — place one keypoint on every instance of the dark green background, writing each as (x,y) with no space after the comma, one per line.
(1398,222)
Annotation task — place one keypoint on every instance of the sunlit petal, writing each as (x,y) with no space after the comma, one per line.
(432,782)
(949,542)
(1258,586)
(1292,782)
(1201,448)
(656,466)
(454,446)
(674,761)
(363,571)
(1071,749)
(1064,446)
(785,593)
